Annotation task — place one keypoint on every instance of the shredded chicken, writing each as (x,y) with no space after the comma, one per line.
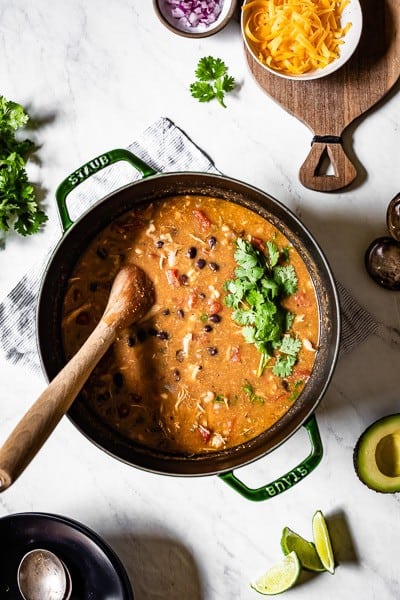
(308,345)
(217,441)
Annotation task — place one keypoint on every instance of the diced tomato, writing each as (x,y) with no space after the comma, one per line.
(214,307)
(301,299)
(205,433)
(192,300)
(303,374)
(173,277)
(258,243)
(202,220)
(235,355)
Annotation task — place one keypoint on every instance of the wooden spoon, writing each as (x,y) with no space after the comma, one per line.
(130,298)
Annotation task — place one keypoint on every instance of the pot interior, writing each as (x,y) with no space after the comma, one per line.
(141,193)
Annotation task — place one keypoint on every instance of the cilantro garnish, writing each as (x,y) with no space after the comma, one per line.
(296,390)
(213,80)
(255,295)
(219,398)
(249,390)
(18,205)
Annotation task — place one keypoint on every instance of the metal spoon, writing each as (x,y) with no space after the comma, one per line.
(382,258)
(43,576)
(130,298)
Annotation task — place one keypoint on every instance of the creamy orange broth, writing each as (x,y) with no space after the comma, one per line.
(176,381)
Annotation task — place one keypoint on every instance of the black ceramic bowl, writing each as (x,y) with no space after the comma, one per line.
(96,571)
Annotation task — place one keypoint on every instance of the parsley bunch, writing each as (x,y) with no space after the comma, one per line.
(213,80)
(255,295)
(18,205)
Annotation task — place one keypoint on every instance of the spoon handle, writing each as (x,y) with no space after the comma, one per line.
(38,423)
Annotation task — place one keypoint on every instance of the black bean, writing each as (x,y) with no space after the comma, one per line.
(159,244)
(123,410)
(166,312)
(163,335)
(118,379)
(103,397)
(141,335)
(207,328)
(179,355)
(212,350)
(135,398)
(93,286)
(215,318)
(101,252)
(177,375)
(191,253)
(201,296)
(200,263)
(131,341)
(152,331)
(212,241)
(183,279)
(180,313)
(213,266)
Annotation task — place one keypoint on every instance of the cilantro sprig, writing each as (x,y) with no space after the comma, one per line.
(18,205)
(213,80)
(249,390)
(262,280)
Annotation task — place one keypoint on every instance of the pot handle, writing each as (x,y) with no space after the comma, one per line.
(88,169)
(289,479)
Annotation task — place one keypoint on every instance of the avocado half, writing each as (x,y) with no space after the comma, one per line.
(377,455)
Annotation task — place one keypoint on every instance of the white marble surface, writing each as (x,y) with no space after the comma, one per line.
(93,75)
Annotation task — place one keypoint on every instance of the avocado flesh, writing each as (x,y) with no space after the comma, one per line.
(377,455)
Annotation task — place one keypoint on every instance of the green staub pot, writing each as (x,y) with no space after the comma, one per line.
(152,187)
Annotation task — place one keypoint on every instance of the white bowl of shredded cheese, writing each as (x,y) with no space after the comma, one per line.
(195,18)
(301,39)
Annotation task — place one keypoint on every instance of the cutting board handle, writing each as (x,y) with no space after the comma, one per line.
(344,170)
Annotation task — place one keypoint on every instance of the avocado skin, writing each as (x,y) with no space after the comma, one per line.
(382,425)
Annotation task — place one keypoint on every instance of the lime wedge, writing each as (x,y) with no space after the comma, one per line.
(323,541)
(306,551)
(280,577)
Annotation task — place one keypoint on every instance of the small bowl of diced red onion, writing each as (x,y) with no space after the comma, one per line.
(195,18)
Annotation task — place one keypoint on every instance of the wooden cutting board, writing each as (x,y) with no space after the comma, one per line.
(328,105)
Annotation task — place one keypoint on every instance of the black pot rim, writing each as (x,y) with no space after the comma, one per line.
(221,461)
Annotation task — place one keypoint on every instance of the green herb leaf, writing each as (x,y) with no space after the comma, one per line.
(286,277)
(283,366)
(249,390)
(274,253)
(212,80)
(12,115)
(210,68)
(203,91)
(219,398)
(18,205)
(296,390)
(290,345)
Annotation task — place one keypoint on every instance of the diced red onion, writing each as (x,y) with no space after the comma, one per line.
(193,13)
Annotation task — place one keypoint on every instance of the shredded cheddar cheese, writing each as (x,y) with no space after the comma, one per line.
(295,36)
